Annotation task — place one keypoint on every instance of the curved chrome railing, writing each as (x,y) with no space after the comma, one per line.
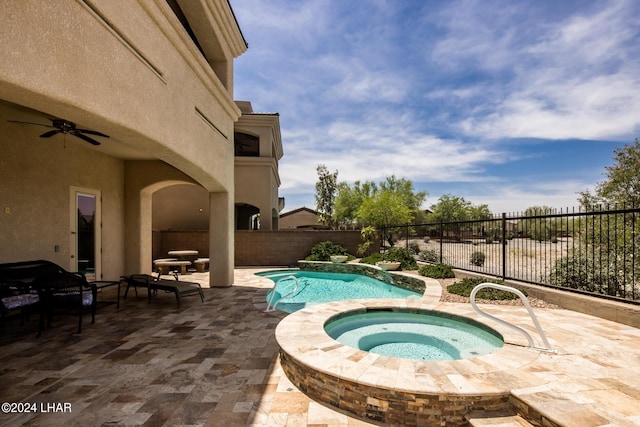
(273,293)
(525,301)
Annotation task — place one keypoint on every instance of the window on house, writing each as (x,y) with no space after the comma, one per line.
(246,145)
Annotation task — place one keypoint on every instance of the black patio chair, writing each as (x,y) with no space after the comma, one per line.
(67,291)
(15,295)
(56,288)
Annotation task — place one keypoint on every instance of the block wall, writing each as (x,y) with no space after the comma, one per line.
(287,247)
(261,248)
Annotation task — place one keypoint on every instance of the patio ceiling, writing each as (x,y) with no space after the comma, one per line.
(10,112)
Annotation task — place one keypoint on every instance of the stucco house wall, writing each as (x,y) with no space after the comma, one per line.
(35,175)
(257,178)
(128,69)
(299,218)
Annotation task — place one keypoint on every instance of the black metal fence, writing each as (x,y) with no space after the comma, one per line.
(595,252)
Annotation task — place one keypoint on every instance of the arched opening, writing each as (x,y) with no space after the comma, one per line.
(247,217)
(180,220)
(181,207)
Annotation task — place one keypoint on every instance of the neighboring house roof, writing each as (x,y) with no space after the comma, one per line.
(295,211)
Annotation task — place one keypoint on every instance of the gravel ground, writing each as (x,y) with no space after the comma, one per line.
(447,297)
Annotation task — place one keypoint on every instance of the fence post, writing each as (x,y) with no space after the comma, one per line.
(504,245)
(406,234)
(441,237)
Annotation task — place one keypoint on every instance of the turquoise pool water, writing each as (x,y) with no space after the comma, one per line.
(316,287)
(427,335)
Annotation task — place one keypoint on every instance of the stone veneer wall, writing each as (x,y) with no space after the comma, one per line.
(399,280)
(389,406)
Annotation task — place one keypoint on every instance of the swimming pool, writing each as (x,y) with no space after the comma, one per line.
(424,335)
(320,287)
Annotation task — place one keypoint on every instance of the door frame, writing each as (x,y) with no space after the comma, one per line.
(73,226)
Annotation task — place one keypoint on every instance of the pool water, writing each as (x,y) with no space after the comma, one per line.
(320,287)
(428,335)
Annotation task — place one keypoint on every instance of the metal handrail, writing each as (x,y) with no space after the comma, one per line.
(273,293)
(525,301)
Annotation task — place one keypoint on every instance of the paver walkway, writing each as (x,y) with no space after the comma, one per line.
(216,364)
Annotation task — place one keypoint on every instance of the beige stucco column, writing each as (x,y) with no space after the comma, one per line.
(221,240)
(265,217)
(137,239)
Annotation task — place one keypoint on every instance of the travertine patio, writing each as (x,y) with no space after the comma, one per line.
(216,364)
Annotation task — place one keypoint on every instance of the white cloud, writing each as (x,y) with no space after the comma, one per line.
(381,147)
(577,80)
(600,108)
(477,36)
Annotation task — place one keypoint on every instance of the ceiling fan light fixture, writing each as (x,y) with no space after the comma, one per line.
(66,127)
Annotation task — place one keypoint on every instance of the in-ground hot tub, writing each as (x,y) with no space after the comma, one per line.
(394,390)
(420,335)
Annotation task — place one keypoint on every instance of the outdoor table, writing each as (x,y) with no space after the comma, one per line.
(184,255)
(101,284)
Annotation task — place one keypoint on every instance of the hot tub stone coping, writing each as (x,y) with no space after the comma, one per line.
(394,390)
(302,337)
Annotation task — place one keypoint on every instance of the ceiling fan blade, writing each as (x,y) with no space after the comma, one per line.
(86,138)
(50,133)
(93,132)
(29,123)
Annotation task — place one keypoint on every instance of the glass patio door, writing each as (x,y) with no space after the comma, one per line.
(86,245)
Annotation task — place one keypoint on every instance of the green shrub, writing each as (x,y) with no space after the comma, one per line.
(414,248)
(403,256)
(488,240)
(322,251)
(430,255)
(477,258)
(437,271)
(466,285)
(592,272)
(372,259)
(368,235)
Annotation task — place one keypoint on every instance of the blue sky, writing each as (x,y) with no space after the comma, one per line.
(506,103)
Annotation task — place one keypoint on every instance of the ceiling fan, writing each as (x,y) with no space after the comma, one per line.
(66,127)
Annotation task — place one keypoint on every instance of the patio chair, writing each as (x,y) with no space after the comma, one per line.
(56,289)
(17,296)
(155,284)
(67,291)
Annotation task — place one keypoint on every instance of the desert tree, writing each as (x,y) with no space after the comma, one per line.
(326,189)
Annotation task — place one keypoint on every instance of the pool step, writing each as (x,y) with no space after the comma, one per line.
(497,419)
